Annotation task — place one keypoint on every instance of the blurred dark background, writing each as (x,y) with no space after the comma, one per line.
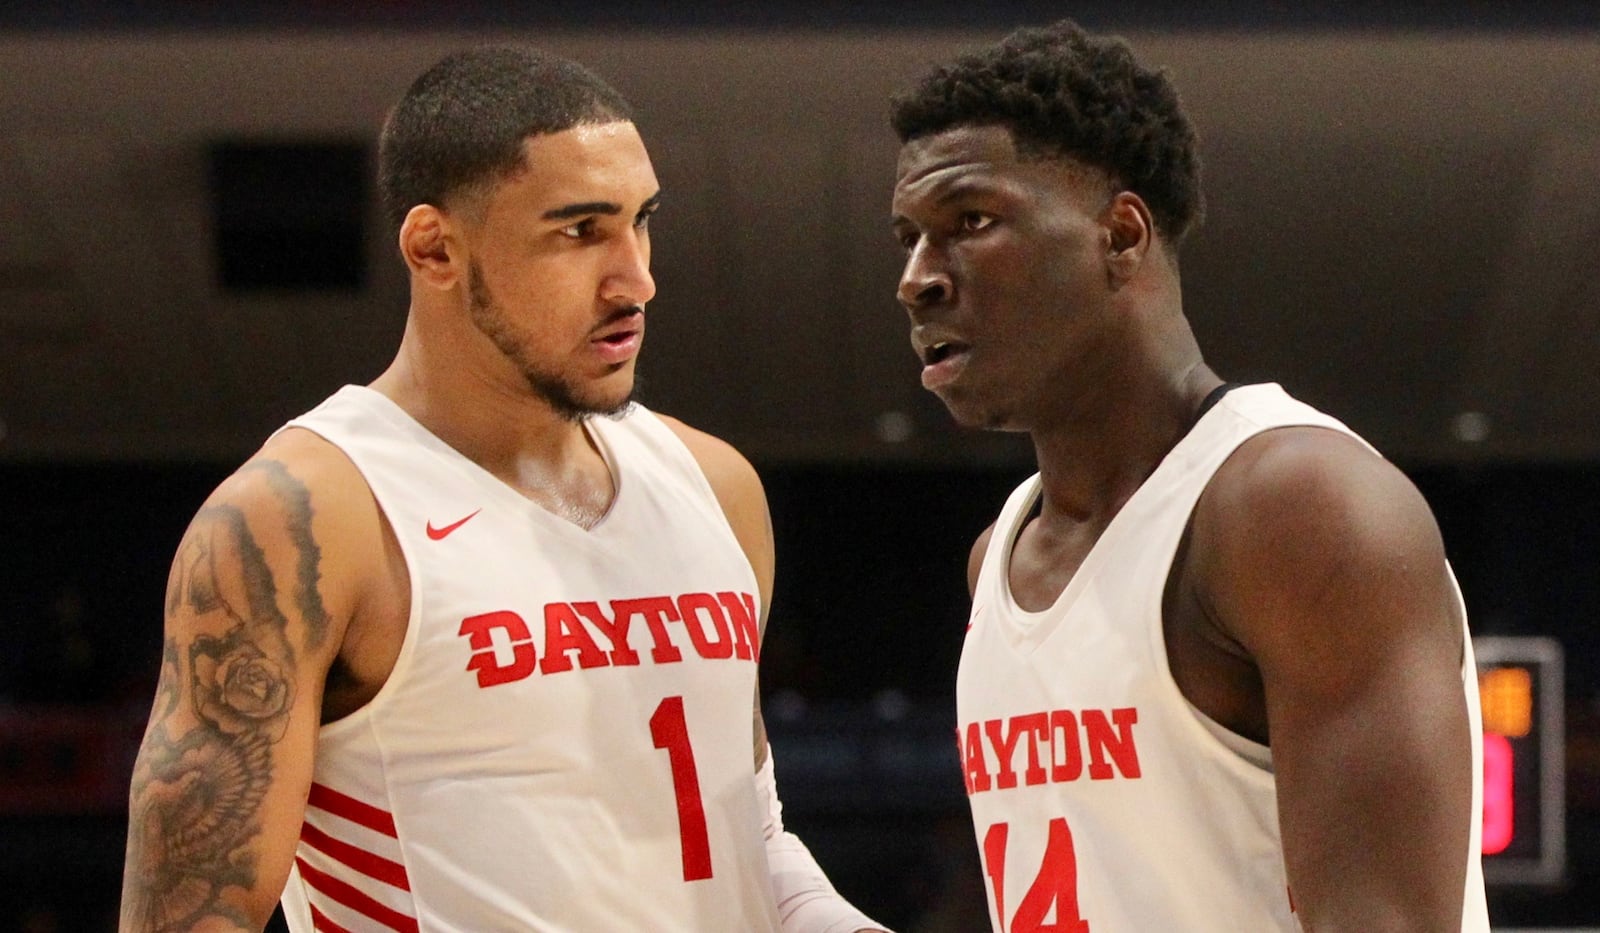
(1403,229)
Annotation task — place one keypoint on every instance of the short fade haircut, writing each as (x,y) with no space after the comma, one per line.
(1064,93)
(461,125)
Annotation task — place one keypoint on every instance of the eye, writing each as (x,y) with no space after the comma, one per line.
(907,238)
(647,209)
(581,230)
(973,222)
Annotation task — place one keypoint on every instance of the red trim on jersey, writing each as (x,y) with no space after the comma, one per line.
(368,863)
(321,923)
(326,798)
(354,898)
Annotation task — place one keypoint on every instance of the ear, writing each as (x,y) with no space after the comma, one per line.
(430,246)
(1130,232)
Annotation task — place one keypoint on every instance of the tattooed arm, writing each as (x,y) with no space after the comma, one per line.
(257,604)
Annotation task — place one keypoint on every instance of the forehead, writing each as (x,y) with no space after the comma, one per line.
(984,158)
(592,162)
(931,162)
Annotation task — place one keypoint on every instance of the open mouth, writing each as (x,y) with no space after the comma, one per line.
(618,339)
(942,363)
(939,352)
(620,327)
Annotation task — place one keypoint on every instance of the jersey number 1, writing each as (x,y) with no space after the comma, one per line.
(671,732)
(1056,884)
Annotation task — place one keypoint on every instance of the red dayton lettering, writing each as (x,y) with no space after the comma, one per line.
(1052,744)
(721,626)
(477,629)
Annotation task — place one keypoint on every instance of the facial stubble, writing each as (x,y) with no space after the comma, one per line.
(492,321)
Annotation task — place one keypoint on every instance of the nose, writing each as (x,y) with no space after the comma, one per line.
(628,281)
(924,281)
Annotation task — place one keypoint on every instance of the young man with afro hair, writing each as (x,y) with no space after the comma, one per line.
(1217,675)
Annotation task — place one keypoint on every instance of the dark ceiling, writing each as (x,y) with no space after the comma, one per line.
(899,15)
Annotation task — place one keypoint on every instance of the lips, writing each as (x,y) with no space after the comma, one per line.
(943,353)
(943,363)
(618,340)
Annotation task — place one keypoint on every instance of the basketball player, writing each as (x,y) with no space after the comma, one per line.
(1217,675)
(474,647)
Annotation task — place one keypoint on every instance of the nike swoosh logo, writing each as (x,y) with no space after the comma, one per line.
(438,534)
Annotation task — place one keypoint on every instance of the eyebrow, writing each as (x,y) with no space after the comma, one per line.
(609,208)
(583,208)
(965,186)
(943,192)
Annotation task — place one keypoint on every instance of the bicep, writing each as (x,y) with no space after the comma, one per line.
(221,777)
(1337,585)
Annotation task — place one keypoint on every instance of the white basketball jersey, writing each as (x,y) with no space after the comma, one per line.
(1102,800)
(565,742)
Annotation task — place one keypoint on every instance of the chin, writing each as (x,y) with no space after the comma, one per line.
(614,407)
(576,402)
(616,394)
(612,396)
(966,412)
(973,416)
(969,416)
(605,404)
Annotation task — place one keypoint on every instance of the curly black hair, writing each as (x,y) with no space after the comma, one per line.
(462,123)
(1062,92)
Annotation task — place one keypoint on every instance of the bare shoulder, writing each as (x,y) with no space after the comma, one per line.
(725,467)
(1306,536)
(740,493)
(1300,493)
(294,458)
(732,477)
(301,503)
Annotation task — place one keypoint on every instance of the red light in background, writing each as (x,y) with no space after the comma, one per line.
(1499,806)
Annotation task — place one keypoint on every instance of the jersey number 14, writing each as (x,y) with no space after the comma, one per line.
(1056,884)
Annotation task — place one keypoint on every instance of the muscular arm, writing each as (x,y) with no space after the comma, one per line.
(1323,562)
(220,782)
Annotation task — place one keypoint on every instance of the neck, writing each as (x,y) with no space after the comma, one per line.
(1109,441)
(493,419)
